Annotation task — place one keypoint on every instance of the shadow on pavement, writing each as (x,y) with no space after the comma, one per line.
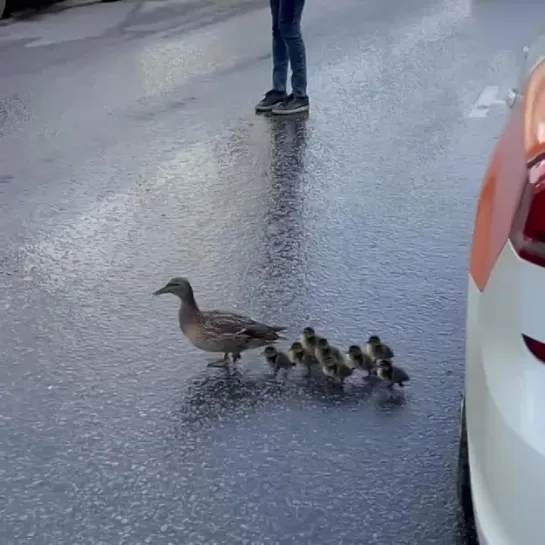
(215,395)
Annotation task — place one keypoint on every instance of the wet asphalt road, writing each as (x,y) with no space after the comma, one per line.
(133,156)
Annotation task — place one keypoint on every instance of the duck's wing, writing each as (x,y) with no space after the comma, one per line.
(262,331)
(231,322)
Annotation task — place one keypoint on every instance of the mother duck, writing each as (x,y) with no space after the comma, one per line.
(215,330)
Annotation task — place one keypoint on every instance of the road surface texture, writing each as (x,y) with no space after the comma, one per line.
(129,154)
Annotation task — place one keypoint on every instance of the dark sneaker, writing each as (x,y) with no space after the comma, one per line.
(292,105)
(272,98)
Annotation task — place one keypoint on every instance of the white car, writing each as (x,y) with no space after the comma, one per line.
(501,471)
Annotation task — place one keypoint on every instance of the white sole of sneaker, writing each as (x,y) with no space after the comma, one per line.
(265,108)
(269,108)
(294,111)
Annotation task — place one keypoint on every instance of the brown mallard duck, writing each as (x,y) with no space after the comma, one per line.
(215,330)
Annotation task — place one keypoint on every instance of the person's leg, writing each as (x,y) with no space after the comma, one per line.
(279,49)
(290,29)
(280,63)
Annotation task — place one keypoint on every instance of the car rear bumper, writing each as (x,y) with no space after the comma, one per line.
(505,410)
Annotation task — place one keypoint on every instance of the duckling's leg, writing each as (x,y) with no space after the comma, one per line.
(309,372)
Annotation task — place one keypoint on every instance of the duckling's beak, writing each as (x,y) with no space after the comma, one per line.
(164,289)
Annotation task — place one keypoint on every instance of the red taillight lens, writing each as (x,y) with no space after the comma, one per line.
(535,347)
(528,232)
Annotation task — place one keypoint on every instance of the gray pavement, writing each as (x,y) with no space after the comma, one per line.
(129,153)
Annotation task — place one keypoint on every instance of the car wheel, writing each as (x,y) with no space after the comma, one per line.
(464,481)
(4,11)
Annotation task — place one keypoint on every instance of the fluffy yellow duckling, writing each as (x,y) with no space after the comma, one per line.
(391,374)
(359,359)
(377,349)
(343,371)
(277,360)
(332,361)
(321,344)
(302,357)
(309,340)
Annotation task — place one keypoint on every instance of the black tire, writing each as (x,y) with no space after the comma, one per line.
(464,482)
(4,9)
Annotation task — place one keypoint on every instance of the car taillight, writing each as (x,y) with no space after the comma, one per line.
(528,230)
(535,347)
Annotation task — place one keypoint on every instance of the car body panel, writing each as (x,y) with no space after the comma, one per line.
(521,141)
(505,403)
(504,398)
(498,199)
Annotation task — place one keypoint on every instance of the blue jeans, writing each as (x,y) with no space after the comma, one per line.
(288,46)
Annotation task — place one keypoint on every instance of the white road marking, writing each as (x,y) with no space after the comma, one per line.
(487,99)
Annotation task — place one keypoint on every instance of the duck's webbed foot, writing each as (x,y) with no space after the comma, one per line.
(222,362)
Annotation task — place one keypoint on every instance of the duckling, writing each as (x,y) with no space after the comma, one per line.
(321,344)
(277,360)
(215,330)
(328,362)
(308,340)
(343,371)
(331,360)
(377,349)
(391,374)
(299,355)
(359,359)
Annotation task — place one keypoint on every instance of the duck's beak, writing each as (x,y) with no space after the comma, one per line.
(164,289)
